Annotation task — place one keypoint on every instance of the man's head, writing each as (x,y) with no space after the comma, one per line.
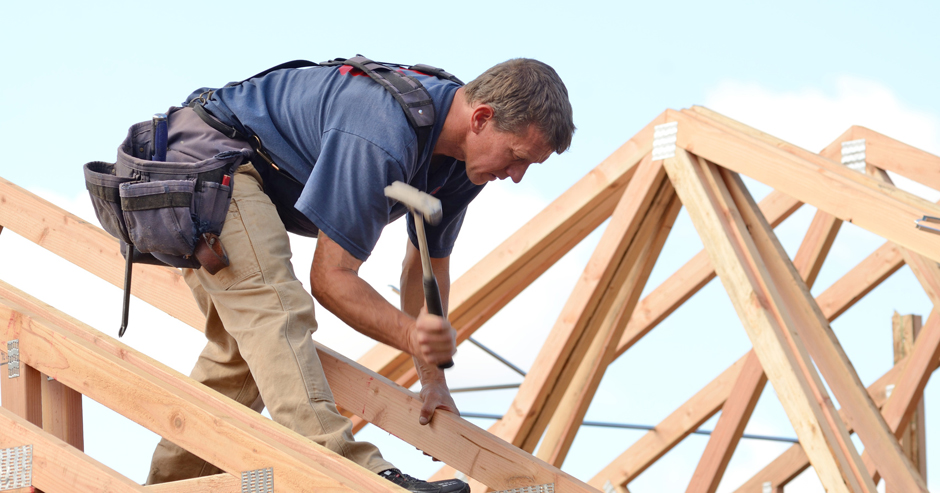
(520,114)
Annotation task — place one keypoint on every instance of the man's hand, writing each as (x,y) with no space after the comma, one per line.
(435,396)
(433,341)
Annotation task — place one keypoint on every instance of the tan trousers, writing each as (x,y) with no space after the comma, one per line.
(259,320)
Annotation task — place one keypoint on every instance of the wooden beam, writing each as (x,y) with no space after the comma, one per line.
(62,412)
(217,483)
(736,413)
(672,430)
(908,161)
(754,293)
(471,450)
(913,437)
(527,417)
(792,462)
(846,194)
(612,317)
(496,279)
(690,278)
(57,466)
(22,395)
(734,417)
(903,401)
(92,249)
(814,331)
(213,427)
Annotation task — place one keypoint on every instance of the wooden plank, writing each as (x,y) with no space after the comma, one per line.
(792,462)
(62,412)
(496,279)
(858,282)
(672,430)
(215,428)
(690,278)
(57,466)
(913,437)
(751,288)
(737,411)
(217,483)
(470,449)
(908,392)
(94,250)
(908,161)
(727,433)
(813,329)
(637,265)
(524,422)
(22,395)
(848,195)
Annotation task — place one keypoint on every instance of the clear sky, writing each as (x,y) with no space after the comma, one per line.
(77,74)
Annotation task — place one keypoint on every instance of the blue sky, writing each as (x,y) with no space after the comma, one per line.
(78,74)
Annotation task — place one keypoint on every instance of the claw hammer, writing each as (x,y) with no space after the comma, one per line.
(423,207)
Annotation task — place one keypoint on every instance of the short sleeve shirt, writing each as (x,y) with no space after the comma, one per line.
(345,138)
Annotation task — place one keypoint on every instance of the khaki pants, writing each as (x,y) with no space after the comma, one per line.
(259,320)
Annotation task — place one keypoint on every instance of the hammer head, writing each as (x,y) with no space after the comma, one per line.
(418,202)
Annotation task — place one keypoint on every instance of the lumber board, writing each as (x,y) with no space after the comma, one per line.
(822,233)
(57,466)
(827,353)
(471,450)
(496,279)
(274,432)
(213,427)
(22,395)
(913,437)
(784,358)
(690,278)
(217,483)
(895,156)
(62,412)
(882,209)
(94,250)
(672,430)
(908,393)
(735,414)
(641,256)
(793,461)
(558,359)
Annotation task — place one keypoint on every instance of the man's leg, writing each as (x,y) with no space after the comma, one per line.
(268,317)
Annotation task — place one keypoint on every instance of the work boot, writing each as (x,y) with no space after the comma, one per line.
(412,484)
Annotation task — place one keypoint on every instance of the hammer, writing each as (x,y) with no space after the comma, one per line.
(423,207)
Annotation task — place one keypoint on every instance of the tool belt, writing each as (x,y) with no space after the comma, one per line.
(171,213)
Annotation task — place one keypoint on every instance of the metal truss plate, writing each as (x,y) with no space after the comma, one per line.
(16,467)
(664,140)
(853,154)
(258,481)
(542,488)
(12,359)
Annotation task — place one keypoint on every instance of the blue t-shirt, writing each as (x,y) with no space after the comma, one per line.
(345,138)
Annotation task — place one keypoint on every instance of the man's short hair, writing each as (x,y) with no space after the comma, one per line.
(523,91)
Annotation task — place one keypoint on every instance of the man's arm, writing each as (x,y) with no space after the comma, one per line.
(434,391)
(335,283)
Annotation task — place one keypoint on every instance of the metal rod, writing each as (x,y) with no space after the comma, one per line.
(628,426)
(500,358)
(486,387)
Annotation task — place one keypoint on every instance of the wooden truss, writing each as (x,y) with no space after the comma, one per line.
(62,358)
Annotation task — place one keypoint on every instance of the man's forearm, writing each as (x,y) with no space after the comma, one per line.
(412,300)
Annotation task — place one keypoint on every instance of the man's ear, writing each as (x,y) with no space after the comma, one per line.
(480,117)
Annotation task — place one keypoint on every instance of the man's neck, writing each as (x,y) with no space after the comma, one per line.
(456,125)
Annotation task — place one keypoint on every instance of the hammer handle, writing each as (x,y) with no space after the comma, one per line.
(432,296)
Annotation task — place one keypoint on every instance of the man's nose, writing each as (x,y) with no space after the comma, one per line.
(516,172)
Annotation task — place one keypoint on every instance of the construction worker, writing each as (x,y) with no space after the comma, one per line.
(334,139)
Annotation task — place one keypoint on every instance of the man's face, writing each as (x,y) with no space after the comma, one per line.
(493,154)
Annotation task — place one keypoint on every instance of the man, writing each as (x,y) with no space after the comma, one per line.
(337,139)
